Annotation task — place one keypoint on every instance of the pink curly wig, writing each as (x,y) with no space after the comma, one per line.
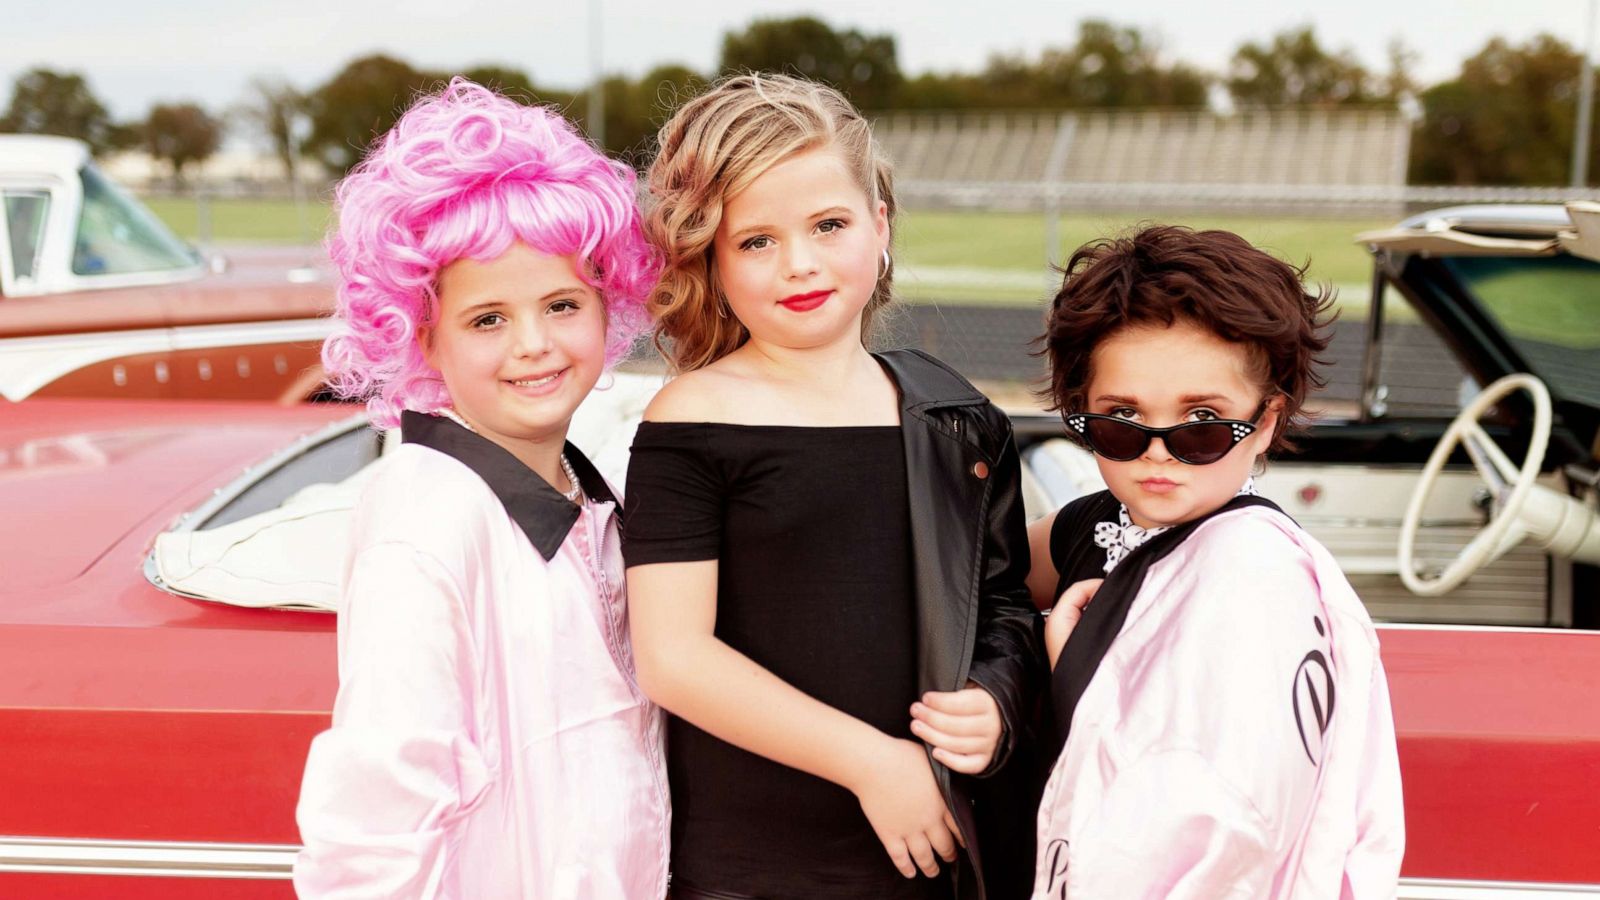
(463,175)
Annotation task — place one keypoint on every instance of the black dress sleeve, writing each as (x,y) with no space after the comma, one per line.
(674,496)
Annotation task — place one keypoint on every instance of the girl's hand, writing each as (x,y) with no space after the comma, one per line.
(962,727)
(904,806)
(1069,609)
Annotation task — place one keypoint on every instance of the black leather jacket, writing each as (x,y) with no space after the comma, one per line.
(970,552)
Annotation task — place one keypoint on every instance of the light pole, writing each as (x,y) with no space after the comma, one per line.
(1580,141)
(597,91)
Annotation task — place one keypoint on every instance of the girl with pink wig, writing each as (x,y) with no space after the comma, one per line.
(489,738)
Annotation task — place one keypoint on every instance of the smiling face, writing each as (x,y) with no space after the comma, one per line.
(798,252)
(1163,376)
(520,341)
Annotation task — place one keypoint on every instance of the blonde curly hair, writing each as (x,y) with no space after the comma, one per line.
(715,146)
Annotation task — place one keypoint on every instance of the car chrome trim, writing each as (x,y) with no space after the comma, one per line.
(1526,629)
(29,363)
(1372,394)
(72,281)
(1450,889)
(193,859)
(166,859)
(226,494)
(1544,219)
(229,492)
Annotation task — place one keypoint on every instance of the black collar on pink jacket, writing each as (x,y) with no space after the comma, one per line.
(539,509)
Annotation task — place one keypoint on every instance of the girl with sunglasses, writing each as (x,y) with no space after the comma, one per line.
(1221,714)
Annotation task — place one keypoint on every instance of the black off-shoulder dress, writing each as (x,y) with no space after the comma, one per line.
(811,530)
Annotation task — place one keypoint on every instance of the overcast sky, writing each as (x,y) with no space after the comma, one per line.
(139,53)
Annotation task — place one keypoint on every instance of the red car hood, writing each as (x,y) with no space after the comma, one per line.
(80,477)
(129,713)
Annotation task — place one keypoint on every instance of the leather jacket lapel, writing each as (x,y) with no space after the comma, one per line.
(947,511)
(947,472)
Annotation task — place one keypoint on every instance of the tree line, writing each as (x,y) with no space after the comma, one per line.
(1507,117)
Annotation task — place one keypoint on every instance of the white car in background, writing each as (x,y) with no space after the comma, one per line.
(98,298)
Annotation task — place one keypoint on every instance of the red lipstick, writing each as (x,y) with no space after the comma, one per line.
(805,302)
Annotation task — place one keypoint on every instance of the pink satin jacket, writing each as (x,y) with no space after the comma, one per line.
(489,739)
(1236,740)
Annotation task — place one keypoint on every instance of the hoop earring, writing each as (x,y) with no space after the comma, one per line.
(886,263)
(606,381)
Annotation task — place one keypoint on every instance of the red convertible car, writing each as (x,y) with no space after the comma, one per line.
(166,653)
(99,299)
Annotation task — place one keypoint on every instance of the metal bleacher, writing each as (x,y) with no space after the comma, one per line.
(1337,160)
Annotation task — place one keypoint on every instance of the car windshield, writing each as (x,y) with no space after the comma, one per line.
(1549,306)
(118,236)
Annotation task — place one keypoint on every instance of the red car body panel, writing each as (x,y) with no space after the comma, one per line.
(1499,750)
(130,713)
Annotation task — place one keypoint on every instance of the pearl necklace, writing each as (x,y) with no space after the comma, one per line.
(566,467)
(572,479)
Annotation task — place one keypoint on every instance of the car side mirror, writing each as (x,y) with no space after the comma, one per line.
(1584,238)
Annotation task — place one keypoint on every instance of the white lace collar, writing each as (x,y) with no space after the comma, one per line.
(1119,538)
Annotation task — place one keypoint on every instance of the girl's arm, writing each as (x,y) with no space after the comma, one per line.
(684,667)
(384,786)
(1042,574)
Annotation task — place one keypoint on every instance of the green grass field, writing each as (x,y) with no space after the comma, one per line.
(946,255)
(940,256)
(244,221)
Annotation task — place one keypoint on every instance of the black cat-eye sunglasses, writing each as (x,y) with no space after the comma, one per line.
(1194,443)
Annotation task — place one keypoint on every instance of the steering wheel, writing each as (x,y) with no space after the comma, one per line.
(1509,484)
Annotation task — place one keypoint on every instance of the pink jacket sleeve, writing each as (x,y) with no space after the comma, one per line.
(400,766)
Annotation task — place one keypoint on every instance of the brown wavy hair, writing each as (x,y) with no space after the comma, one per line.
(715,146)
(1161,274)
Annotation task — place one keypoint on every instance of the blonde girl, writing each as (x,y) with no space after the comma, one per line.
(826,546)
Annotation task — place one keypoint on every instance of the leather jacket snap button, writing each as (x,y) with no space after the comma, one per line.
(980,469)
